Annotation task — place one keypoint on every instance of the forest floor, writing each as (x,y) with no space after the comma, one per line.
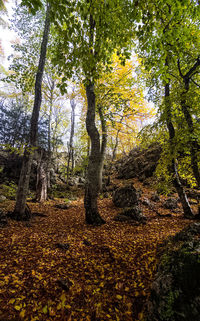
(105,274)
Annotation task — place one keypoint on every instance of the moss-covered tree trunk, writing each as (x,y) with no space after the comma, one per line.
(20,212)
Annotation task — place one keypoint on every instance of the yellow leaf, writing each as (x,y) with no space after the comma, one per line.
(141,316)
(34,319)
(39,276)
(18,307)
(127,289)
(22,313)
(119,297)
(51,311)
(129,306)
(6,278)
(45,309)
(33,272)
(11,301)
(63,299)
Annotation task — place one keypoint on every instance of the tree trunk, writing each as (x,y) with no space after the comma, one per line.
(71,147)
(23,185)
(41,185)
(194,145)
(193,142)
(49,137)
(176,181)
(116,141)
(95,162)
(103,143)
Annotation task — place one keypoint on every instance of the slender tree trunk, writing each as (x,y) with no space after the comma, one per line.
(41,184)
(20,212)
(193,142)
(194,145)
(71,147)
(116,141)
(103,143)
(176,181)
(116,145)
(49,138)
(95,162)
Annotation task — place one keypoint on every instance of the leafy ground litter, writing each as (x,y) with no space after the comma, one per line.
(101,273)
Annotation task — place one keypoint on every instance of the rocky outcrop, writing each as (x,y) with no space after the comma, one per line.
(139,163)
(175,293)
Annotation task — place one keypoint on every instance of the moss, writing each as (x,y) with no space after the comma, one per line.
(62,191)
(9,190)
(168,312)
(176,293)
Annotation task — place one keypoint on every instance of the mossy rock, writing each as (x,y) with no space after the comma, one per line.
(175,294)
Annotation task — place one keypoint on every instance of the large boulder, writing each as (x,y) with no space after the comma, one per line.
(171,203)
(2,198)
(140,163)
(175,293)
(131,214)
(125,196)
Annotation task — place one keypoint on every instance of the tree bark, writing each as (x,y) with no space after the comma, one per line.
(95,162)
(176,181)
(23,185)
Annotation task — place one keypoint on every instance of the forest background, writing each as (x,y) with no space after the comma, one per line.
(81,216)
(81,57)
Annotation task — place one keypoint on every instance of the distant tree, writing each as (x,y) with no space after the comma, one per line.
(72,128)
(20,212)
(15,124)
